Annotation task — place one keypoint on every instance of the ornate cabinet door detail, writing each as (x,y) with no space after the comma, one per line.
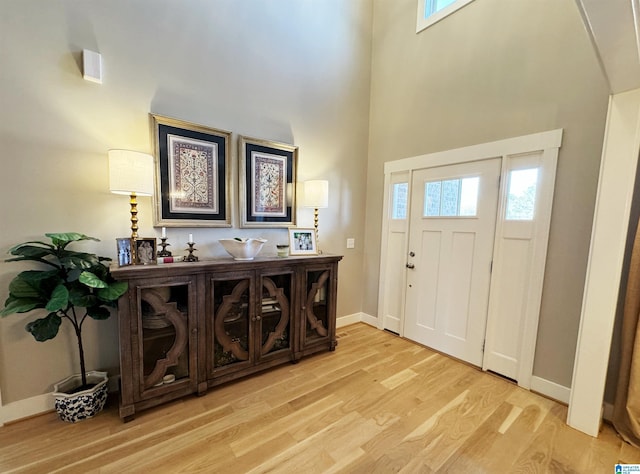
(164,335)
(318,314)
(275,317)
(190,326)
(231,318)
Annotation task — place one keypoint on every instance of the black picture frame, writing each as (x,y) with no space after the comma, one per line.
(267,183)
(192,174)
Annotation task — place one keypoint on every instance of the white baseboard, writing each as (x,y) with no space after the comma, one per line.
(370,320)
(26,408)
(348,319)
(356,318)
(550,389)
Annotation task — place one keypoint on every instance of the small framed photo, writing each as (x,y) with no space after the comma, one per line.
(146,251)
(302,241)
(123,247)
(267,183)
(192,174)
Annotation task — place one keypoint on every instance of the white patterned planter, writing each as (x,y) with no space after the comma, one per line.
(80,405)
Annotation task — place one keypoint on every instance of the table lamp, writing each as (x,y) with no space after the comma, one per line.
(131,173)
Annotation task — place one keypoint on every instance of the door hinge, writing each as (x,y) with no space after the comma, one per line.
(483,344)
(491,267)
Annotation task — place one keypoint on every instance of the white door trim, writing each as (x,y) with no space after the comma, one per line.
(499,148)
(606,255)
(549,140)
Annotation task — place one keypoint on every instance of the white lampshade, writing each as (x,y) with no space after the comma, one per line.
(316,194)
(130,172)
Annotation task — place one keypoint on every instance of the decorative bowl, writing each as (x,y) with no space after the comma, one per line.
(242,249)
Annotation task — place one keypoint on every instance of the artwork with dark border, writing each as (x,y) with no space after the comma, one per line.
(267,183)
(302,241)
(192,174)
(123,251)
(145,251)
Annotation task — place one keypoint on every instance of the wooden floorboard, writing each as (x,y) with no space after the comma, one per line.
(378,404)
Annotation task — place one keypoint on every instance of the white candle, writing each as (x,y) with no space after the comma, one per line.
(190,238)
(164,232)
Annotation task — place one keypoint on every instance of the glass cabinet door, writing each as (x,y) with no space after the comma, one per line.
(164,313)
(231,317)
(315,307)
(274,320)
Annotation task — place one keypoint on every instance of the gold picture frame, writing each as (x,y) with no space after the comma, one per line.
(193,176)
(267,183)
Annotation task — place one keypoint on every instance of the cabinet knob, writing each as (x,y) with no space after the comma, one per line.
(258,318)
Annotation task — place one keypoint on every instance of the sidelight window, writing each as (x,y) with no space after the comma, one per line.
(521,197)
(400,200)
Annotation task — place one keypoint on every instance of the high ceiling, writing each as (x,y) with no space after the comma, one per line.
(613,27)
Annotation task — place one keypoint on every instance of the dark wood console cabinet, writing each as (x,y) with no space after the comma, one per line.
(185,327)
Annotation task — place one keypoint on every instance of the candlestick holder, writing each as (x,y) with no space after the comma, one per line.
(191,257)
(164,252)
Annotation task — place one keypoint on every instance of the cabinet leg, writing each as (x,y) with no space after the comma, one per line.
(127,413)
(332,345)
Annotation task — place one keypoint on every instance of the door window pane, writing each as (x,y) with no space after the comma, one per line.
(449,204)
(521,197)
(451,198)
(469,196)
(432,198)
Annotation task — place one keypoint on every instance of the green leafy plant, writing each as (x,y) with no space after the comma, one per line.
(72,286)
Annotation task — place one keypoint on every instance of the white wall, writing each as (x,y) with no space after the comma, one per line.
(295,71)
(495,69)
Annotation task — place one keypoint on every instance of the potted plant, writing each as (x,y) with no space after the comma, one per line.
(71,286)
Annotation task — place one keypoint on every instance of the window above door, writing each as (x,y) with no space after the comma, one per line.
(432,11)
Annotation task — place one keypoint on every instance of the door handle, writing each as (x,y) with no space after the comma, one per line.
(410,265)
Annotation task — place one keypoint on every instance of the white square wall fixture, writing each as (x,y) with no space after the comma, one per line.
(92,66)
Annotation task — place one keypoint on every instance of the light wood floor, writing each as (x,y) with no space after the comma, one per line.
(378,404)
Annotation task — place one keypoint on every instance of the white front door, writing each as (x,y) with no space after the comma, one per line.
(451,237)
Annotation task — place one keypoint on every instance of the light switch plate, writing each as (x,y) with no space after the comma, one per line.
(351,243)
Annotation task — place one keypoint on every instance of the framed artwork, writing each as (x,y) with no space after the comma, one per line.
(267,183)
(302,241)
(123,247)
(192,174)
(145,251)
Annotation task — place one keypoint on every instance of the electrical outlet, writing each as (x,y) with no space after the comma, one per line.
(351,243)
